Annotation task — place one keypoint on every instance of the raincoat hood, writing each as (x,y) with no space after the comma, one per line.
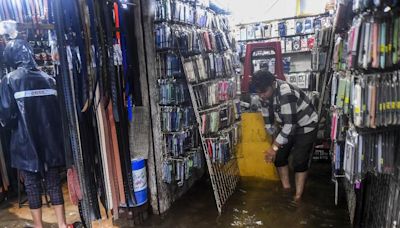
(18,53)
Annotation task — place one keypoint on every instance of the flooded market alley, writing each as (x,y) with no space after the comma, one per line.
(260,203)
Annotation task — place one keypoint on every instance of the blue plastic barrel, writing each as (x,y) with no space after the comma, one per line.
(139,181)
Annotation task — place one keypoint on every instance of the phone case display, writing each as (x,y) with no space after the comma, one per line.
(319,45)
(207,57)
(365,107)
(303,80)
(281,28)
(198,87)
(181,149)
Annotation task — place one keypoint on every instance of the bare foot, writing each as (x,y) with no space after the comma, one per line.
(297,198)
(286,189)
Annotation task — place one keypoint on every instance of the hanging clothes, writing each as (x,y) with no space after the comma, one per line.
(29,105)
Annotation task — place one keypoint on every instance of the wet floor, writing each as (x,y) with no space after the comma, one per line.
(256,203)
(259,203)
(13,216)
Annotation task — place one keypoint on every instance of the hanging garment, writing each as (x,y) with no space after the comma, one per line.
(24,106)
(105,162)
(74,188)
(3,170)
(116,155)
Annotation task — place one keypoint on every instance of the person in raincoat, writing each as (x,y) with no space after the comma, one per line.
(29,107)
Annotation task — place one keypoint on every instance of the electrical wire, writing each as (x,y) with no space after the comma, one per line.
(273,4)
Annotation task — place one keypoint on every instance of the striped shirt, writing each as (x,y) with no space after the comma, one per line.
(292,110)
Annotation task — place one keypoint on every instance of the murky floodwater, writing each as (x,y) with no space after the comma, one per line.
(259,203)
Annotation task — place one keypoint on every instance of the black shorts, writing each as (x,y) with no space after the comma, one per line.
(300,146)
(33,187)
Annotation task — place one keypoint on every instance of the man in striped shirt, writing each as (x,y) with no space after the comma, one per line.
(290,109)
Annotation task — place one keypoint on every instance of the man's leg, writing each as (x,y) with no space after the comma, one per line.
(60,213)
(37,217)
(301,155)
(284,176)
(33,188)
(53,184)
(281,163)
(300,178)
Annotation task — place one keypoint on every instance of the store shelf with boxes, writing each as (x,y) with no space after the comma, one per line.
(305,43)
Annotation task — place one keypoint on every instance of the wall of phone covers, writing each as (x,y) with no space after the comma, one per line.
(365,105)
(197,79)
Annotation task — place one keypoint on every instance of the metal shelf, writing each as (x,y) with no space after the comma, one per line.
(284,53)
(276,37)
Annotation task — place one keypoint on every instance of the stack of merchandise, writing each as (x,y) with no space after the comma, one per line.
(296,35)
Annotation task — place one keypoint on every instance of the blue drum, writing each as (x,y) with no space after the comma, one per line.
(139,181)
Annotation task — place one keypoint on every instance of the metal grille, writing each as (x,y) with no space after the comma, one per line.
(379,205)
(376,201)
(224,177)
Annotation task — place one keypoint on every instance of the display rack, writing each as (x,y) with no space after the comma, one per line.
(365,107)
(302,42)
(201,39)
(223,169)
(286,30)
(181,143)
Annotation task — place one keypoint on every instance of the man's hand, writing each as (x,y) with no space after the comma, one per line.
(270,155)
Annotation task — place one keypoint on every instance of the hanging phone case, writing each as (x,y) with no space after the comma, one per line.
(382,53)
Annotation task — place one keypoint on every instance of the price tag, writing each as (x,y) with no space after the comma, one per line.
(383,48)
(388,106)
